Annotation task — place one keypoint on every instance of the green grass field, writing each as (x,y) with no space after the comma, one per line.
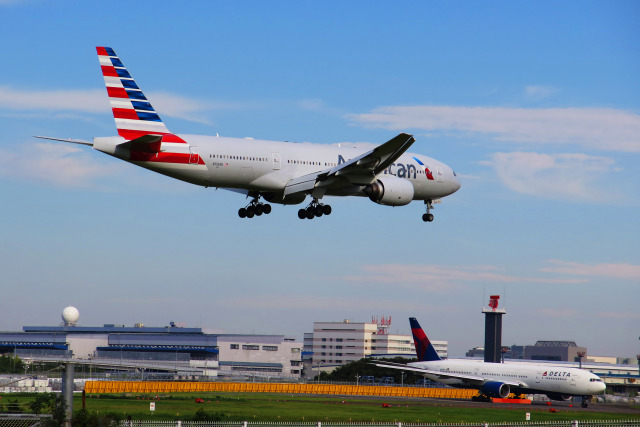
(278,407)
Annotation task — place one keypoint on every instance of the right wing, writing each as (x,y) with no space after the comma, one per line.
(358,171)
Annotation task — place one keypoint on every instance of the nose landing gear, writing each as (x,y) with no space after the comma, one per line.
(255,208)
(315,209)
(428,217)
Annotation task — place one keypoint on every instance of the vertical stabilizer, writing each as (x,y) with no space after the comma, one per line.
(424,349)
(134,115)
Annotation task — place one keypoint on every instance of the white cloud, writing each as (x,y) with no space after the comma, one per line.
(556,176)
(594,128)
(611,270)
(96,101)
(538,92)
(61,164)
(90,101)
(444,278)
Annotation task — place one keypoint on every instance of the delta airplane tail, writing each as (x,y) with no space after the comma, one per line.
(424,349)
(133,114)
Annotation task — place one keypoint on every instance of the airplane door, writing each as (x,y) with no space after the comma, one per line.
(440,174)
(276,161)
(193,155)
(538,375)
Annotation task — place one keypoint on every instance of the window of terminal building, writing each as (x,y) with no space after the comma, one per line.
(234,346)
(270,347)
(295,350)
(339,339)
(250,347)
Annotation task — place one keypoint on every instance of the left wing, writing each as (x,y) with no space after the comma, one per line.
(358,171)
(471,379)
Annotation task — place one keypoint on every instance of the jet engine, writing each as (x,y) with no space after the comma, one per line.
(559,396)
(496,389)
(390,191)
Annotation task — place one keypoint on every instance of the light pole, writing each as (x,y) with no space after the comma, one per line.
(503,350)
(581,354)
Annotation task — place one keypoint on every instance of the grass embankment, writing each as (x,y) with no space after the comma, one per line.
(278,407)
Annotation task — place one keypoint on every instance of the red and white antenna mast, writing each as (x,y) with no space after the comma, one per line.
(383,324)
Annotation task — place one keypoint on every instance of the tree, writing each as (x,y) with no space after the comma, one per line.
(11,364)
(365,367)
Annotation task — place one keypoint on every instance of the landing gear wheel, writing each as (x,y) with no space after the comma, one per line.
(242,213)
(250,212)
(258,209)
(302,214)
(310,213)
(318,211)
(427,217)
(266,209)
(326,209)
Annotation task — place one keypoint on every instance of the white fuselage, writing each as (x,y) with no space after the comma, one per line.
(531,377)
(267,166)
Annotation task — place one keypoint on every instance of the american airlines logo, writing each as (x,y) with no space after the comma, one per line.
(556,374)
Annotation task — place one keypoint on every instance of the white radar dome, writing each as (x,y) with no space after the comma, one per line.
(70,316)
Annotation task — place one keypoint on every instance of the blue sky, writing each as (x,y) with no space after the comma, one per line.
(535,105)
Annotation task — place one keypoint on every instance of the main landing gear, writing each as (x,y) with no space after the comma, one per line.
(428,217)
(315,209)
(254,208)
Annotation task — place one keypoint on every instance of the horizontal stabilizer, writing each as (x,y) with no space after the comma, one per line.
(73,141)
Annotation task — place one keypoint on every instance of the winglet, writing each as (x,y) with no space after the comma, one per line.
(424,349)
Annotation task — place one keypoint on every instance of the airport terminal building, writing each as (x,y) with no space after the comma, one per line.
(332,344)
(190,350)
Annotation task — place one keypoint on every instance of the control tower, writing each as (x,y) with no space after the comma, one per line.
(493,330)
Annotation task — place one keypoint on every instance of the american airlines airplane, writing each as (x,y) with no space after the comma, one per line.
(278,172)
(499,379)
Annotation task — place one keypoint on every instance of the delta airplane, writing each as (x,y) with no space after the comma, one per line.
(499,379)
(278,172)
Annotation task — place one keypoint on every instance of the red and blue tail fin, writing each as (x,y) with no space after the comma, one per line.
(424,349)
(134,115)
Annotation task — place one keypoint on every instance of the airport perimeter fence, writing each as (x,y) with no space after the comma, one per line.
(574,423)
(24,420)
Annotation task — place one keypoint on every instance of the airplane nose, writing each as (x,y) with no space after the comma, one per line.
(455,184)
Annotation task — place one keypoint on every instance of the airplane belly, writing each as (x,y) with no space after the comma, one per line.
(192,173)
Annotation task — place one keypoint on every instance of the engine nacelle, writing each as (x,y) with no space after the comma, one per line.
(390,191)
(558,396)
(496,389)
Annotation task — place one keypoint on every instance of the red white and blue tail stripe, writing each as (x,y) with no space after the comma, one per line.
(134,115)
(424,349)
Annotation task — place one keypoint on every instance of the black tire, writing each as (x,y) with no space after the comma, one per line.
(318,211)
(310,213)
(429,217)
(326,209)
(258,209)
(250,212)
(266,209)
(425,218)
(302,214)
(242,213)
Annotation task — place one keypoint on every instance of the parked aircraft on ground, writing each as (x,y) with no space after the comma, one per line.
(278,172)
(499,379)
